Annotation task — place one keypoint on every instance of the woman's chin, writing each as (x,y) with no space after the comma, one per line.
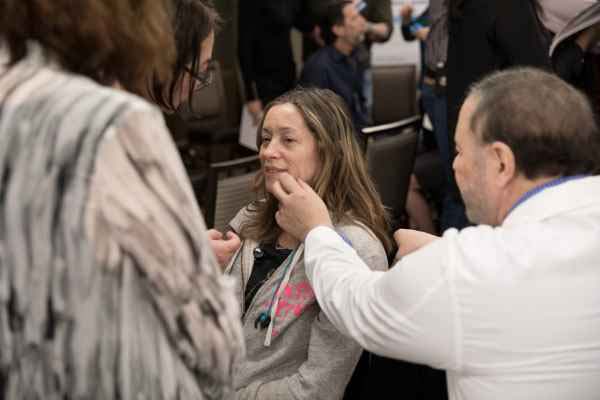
(269,183)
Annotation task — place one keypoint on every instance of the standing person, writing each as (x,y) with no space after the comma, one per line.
(433,91)
(486,36)
(380,25)
(293,351)
(109,286)
(482,303)
(336,66)
(265,49)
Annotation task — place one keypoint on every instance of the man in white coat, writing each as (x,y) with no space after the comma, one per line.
(509,308)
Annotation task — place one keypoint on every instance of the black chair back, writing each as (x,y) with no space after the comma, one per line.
(390,152)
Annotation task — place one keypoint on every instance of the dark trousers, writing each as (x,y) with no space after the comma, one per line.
(386,379)
(453,210)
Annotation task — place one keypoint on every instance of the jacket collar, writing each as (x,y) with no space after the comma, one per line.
(338,56)
(556,200)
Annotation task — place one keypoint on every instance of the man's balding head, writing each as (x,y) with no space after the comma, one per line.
(548,124)
(518,129)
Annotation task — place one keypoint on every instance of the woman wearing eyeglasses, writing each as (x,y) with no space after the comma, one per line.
(293,351)
(194,25)
(108,287)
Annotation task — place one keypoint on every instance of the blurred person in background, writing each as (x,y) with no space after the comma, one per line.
(265,48)
(575,53)
(379,28)
(431,29)
(486,36)
(336,66)
(109,286)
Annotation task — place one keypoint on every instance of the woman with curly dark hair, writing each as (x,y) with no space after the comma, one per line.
(108,287)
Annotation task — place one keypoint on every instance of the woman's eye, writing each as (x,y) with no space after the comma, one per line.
(265,140)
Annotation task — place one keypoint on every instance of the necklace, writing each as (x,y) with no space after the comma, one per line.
(250,293)
(265,266)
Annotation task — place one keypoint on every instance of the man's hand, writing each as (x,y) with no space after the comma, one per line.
(255,107)
(300,208)
(224,246)
(422,34)
(406,13)
(377,32)
(409,240)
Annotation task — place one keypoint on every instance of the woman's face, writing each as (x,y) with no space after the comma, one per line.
(188,79)
(287,146)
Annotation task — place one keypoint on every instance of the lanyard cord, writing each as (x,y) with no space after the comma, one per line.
(541,188)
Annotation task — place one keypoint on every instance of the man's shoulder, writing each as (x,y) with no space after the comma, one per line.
(316,68)
(321,59)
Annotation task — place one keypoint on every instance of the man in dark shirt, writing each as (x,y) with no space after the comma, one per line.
(336,66)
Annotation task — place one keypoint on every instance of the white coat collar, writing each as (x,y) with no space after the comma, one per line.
(556,200)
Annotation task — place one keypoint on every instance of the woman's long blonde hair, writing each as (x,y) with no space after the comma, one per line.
(342,182)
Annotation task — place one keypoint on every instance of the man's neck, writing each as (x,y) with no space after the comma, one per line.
(343,47)
(521,186)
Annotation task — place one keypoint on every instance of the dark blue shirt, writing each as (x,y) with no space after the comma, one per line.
(330,69)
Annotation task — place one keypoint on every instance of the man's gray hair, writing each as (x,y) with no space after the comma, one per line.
(549,125)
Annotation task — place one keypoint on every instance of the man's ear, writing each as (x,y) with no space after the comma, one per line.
(337,30)
(503,163)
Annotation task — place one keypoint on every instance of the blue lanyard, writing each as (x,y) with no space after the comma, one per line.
(541,188)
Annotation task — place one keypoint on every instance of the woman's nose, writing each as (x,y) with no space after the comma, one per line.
(270,149)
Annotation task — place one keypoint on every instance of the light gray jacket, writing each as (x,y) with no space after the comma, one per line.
(300,355)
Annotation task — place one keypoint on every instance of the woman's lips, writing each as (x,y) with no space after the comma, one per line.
(273,171)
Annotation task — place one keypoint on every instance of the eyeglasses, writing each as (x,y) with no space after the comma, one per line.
(203,79)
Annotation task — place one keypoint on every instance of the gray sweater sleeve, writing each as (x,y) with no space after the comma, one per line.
(331,357)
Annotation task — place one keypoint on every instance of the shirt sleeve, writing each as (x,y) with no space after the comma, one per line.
(381,11)
(178,313)
(408,313)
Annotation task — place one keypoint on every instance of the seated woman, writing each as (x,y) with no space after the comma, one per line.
(293,351)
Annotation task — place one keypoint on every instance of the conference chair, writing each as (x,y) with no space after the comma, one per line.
(228,189)
(390,153)
(394,93)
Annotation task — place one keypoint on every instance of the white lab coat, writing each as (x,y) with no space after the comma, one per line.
(511,312)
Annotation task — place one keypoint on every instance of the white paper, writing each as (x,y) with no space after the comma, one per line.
(248,130)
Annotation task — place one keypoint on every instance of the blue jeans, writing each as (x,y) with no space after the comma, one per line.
(453,211)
